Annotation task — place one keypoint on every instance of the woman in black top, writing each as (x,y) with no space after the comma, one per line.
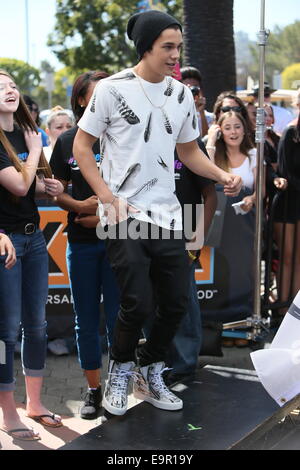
(287,214)
(24,287)
(88,266)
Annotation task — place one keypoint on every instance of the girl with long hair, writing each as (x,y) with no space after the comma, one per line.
(24,287)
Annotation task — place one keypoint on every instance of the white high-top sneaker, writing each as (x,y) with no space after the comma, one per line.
(149,386)
(116,387)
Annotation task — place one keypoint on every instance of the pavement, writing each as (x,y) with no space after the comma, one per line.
(63,389)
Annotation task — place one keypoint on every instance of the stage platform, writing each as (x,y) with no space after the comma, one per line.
(224,408)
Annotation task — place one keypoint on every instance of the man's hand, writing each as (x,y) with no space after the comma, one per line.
(232,184)
(117,211)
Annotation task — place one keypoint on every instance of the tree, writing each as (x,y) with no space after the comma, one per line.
(291,76)
(26,76)
(283,49)
(92,35)
(63,78)
(209,44)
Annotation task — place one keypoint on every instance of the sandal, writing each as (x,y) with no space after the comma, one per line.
(13,434)
(40,419)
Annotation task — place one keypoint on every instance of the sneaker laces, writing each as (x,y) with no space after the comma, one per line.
(89,397)
(120,380)
(158,382)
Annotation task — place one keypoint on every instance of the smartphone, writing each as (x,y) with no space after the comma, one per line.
(177,73)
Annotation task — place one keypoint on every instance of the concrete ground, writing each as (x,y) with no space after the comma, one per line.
(63,389)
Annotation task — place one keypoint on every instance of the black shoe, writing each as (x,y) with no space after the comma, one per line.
(92,404)
(172,379)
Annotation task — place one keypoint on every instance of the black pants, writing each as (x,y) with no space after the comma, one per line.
(148,269)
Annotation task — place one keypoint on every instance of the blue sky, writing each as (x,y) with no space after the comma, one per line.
(42,20)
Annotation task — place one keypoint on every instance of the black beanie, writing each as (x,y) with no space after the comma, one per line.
(144,28)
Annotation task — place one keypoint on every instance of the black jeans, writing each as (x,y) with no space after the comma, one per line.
(147,269)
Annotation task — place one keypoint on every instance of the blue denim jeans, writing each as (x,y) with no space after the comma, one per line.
(23,296)
(91,275)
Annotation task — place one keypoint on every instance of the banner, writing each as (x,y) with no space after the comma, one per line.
(59,308)
(225,276)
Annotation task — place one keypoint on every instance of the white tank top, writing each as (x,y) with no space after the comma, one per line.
(245,170)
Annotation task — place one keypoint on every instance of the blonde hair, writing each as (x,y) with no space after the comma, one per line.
(24,120)
(55,112)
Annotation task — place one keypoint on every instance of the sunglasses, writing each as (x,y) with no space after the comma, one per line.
(33,108)
(226,109)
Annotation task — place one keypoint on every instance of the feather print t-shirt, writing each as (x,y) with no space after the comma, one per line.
(139,124)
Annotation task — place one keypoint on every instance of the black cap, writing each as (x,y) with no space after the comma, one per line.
(267,90)
(144,28)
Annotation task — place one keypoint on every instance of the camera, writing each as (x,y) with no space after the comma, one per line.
(195,90)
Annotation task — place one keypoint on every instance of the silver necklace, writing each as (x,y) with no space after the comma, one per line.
(154,105)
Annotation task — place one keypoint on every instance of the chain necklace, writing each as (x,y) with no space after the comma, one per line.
(154,105)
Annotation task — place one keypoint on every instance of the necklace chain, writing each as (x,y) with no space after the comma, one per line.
(144,91)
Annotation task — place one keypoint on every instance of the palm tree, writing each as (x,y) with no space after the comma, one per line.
(209,44)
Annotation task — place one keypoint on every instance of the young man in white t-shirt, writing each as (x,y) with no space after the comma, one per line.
(140,114)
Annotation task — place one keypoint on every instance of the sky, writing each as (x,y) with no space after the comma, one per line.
(41,14)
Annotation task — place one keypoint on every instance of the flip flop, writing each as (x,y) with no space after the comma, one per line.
(12,433)
(40,419)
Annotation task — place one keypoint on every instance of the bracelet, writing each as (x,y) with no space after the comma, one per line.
(210,147)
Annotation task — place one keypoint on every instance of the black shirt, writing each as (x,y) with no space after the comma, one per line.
(189,186)
(15,211)
(289,158)
(65,167)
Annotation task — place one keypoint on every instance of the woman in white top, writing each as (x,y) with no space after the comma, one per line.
(230,147)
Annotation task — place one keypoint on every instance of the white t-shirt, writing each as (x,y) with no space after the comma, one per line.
(138,141)
(246,170)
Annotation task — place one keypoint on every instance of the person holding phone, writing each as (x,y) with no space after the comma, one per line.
(23,287)
(192,77)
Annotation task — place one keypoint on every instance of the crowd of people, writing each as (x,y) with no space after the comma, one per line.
(120,178)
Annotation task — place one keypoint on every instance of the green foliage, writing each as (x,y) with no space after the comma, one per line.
(62,78)
(26,76)
(92,35)
(283,49)
(291,76)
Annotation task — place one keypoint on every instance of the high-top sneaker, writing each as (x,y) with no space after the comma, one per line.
(92,404)
(150,386)
(115,394)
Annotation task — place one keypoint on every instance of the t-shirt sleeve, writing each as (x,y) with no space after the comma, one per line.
(97,114)
(59,166)
(4,161)
(190,128)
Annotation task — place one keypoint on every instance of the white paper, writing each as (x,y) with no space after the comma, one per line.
(237,208)
(278,367)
